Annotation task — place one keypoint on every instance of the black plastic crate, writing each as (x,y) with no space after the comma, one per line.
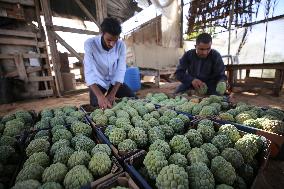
(123,179)
(123,155)
(133,163)
(277,141)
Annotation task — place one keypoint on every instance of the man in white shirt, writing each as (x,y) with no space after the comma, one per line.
(105,65)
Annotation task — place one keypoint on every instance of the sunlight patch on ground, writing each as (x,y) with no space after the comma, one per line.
(249,93)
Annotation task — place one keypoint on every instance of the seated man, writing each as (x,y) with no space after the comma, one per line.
(105,65)
(200,67)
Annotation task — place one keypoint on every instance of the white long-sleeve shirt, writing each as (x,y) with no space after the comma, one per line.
(104,67)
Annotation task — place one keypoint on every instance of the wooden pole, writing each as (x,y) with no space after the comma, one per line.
(45,4)
(181,24)
(230,24)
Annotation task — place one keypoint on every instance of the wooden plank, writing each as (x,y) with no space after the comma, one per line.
(19,33)
(22,2)
(31,55)
(19,62)
(87,12)
(7,56)
(278,65)
(36,69)
(33,69)
(255,85)
(167,71)
(41,93)
(14,11)
(25,55)
(68,47)
(74,30)
(24,42)
(149,72)
(71,55)
(12,74)
(40,78)
(44,93)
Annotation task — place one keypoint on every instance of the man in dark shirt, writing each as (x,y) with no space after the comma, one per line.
(200,66)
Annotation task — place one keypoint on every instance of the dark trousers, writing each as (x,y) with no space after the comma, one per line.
(123,91)
(211,88)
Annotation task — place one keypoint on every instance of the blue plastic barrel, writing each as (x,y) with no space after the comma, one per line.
(132,78)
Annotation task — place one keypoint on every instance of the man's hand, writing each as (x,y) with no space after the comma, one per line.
(111,95)
(197,84)
(111,98)
(104,102)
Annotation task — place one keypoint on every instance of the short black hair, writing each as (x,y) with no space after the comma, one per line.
(111,26)
(204,38)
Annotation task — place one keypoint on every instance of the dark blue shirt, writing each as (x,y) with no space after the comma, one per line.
(210,70)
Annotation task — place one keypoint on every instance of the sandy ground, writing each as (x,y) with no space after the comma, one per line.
(260,99)
(271,177)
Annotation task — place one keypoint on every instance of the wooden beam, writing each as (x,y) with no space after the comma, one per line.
(25,55)
(41,93)
(248,86)
(7,56)
(36,69)
(101,10)
(40,78)
(31,55)
(87,12)
(279,65)
(24,42)
(12,74)
(74,30)
(22,2)
(45,5)
(68,47)
(33,69)
(71,55)
(19,33)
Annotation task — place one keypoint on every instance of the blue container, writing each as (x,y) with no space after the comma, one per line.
(132,78)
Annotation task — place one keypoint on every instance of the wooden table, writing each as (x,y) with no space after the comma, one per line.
(275,83)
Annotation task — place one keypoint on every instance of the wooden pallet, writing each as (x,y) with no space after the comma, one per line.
(22,72)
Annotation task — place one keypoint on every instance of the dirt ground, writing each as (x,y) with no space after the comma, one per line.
(256,98)
(271,177)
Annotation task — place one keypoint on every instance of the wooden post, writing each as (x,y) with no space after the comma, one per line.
(45,4)
(230,24)
(101,10)
(278,81)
